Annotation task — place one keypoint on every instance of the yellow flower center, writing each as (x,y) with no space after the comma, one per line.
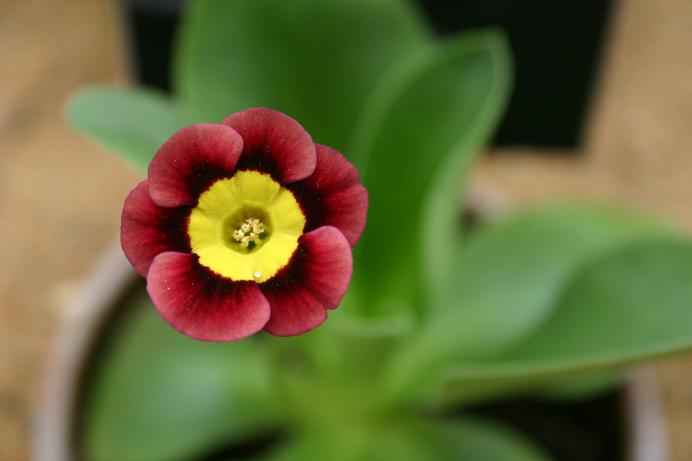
(246,227)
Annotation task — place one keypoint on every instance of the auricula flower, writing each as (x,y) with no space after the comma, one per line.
(245,225)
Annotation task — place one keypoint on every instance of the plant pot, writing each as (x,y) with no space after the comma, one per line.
(55,420)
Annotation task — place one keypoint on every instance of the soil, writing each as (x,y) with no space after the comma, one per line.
(587,430)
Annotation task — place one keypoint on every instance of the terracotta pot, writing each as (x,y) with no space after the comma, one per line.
(55,415)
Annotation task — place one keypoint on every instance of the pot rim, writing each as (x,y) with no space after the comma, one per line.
(54,412)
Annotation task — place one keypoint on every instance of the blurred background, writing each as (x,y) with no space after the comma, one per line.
(608,118)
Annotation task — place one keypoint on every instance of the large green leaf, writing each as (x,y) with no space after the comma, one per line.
(429,119)
(158,395)
(131,122)
(634,304)
(507,278)
(463,440)
(315,60)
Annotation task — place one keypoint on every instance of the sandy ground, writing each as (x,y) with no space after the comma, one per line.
(60,196)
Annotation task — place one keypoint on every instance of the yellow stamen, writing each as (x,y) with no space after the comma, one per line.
(249,232)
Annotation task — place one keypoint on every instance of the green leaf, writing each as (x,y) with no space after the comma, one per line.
(583,386)
(315,60)
(158,395)
(632,305)
(474,439)
(428,121)
(507,278)
(133,123)
(463,440)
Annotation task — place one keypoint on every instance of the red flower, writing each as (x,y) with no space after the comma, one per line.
(245,225)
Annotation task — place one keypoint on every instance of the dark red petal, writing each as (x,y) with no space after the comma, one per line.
(315,279)
(190,161)
(333,195)
(147,229)
(293,312)
(201,305)
(274,143)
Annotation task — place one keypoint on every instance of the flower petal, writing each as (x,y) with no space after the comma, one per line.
(333,195)
(201,305)
(275,143)
(147,229)
(315,279)
(190,161)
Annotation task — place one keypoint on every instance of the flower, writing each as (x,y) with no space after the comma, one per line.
(245,225)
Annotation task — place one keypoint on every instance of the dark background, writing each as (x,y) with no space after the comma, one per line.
(557,48)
